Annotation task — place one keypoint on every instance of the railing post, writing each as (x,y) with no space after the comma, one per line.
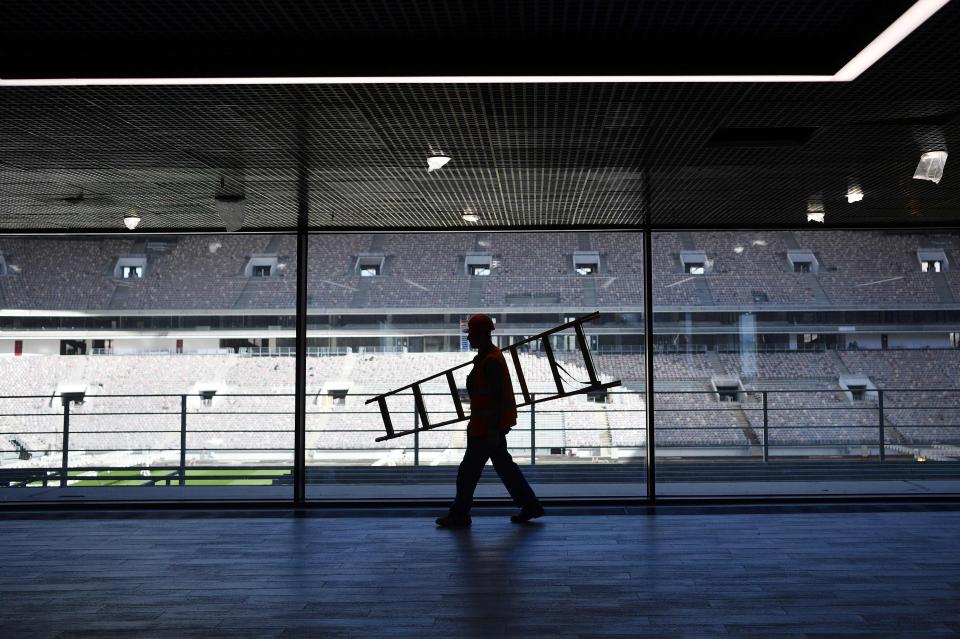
(883,452)
(766,429)
(416,438)
(533,430)
(183,440)
(65,452)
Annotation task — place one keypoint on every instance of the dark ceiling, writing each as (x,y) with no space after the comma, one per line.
(171,38)
(524,155)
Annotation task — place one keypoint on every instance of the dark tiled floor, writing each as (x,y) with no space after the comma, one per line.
(810,574)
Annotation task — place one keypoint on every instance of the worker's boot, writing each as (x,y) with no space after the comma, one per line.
(454,520)
(527,513)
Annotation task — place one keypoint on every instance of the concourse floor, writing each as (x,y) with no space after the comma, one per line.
(799,572)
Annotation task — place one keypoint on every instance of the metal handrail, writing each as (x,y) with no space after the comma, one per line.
(764,406)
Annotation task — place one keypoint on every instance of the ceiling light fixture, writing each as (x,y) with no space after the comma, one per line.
(903,26)
(229,201)
(854,194)
(132,219)
(931,166)
(470,216)
(435,162)
(815,212)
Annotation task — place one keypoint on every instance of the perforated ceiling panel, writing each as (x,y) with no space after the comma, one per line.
(523,154)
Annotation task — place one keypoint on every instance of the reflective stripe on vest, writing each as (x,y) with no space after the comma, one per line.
(481,400)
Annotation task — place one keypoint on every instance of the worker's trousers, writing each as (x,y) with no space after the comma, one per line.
(479,450)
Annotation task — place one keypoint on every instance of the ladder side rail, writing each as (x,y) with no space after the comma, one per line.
(536,400)
(562,327)
(418,382)
(403,433)
(579,391)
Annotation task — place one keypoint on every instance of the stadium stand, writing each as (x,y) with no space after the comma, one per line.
(795,365)
(921,412)
(207,272)
(870,270)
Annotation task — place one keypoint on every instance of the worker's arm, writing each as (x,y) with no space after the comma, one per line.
(495,383)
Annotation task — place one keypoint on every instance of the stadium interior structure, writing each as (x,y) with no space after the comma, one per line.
(225,226)
(772,349)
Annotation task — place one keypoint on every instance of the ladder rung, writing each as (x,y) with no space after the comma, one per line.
(519,371)
(455,394)
(403,433)
(385,413)
(579,391)
(585,351)
(421,409)
(553,363)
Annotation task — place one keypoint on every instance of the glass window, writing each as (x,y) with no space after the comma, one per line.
(408,324)
(153,378)
(844,354)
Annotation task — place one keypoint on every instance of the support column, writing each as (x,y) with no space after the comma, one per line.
(651,457)
(300,384)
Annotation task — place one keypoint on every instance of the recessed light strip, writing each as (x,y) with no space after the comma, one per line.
(891,37)
(420,79)
(903,26)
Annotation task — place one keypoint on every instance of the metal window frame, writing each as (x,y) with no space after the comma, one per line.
(303,231)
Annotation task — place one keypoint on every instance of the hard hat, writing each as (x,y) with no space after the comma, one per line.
(480,324)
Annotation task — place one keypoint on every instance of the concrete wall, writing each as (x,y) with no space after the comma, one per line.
(194,344)
(139,344)
(38,346)
(900,340)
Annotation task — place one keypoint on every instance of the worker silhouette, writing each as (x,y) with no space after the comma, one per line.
(493,410)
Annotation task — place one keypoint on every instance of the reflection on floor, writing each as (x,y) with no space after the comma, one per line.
(866,572)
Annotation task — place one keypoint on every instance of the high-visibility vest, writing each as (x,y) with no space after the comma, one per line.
(481,399)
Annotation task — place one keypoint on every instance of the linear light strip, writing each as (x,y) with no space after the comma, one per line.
(903,26)
(891,37)
(419,79)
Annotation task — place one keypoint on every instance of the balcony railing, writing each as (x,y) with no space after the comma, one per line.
(246,439)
